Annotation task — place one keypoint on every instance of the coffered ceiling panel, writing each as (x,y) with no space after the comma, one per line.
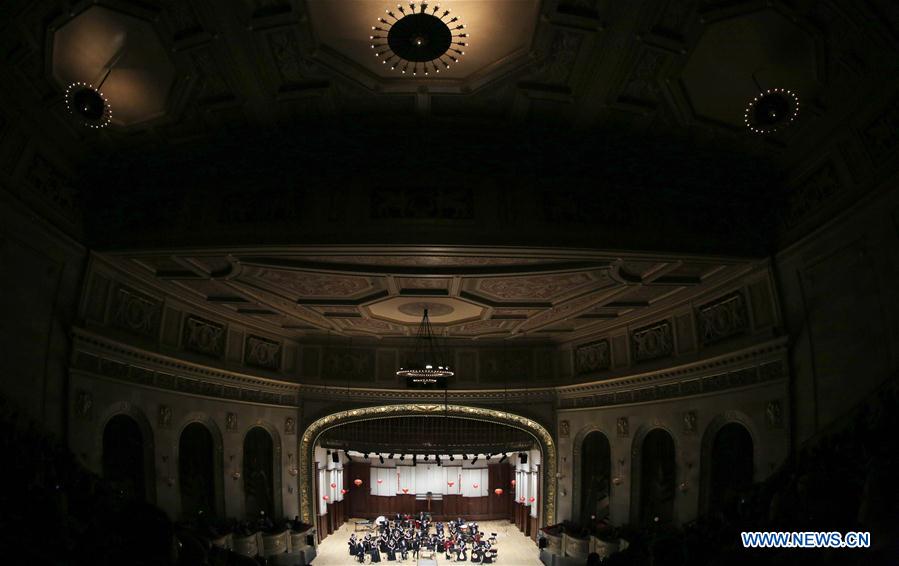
(499,32)
(467,295)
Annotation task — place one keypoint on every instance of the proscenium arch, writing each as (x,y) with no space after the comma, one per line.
(576,463)
(540,434)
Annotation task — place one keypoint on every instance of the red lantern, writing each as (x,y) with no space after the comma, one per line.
(333,485)
(513,483)
(531,500)
(521,499)
(380,481)
(474,485)
(451,483)
(498,491)
(357,481)
(344,491)
(405,490)
(325,497)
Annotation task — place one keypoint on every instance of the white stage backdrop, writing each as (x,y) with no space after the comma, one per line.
(423,478)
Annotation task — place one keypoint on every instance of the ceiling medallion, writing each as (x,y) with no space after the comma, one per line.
(420,40)
(429,364)
(88,104)
(771,110)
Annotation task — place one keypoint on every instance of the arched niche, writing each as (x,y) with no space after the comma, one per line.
(729,456)
(541,435)
(592,469)
(653,477)
(200,471)
(262,471)
(127,415)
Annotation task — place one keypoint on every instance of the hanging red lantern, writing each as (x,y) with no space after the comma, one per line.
(474,485)
(325,497)
(333,486)
(405,490)
(513,483)
(380,481)
(531,500)
(451,483)
(344,491)
(498,491)
(357,481)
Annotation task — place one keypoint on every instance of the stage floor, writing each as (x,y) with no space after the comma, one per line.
(514,549)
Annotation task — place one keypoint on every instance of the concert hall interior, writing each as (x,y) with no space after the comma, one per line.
(518,282)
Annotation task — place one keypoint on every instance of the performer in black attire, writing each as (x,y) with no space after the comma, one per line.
(391,550)
(353,543)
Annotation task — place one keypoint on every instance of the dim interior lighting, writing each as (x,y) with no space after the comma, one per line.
(771,110)
(89,104)
(428,360)
(419,34)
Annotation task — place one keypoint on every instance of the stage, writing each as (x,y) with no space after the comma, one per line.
(514,549)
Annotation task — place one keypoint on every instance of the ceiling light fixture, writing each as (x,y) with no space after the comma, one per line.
(420,40)
(771,110)
(428,363)
(88,104)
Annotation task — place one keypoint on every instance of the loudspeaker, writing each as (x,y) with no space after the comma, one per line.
(310,538)
(523,458)
(334,457)
(542,543)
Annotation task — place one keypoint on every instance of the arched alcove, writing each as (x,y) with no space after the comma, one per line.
(258,473)
(592,473)
(655,477)
(730,466)
(123,456)
(197,471)
(123,418)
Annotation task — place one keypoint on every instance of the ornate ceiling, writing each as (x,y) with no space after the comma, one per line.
(470,294)
(676,73)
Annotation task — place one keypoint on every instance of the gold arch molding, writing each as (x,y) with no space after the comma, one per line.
(535,429)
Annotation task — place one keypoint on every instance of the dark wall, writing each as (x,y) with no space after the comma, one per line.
(40,279)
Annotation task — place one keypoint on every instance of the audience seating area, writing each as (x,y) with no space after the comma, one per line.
(842,481)
(93,524)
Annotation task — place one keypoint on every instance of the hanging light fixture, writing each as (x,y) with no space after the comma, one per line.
(771,110)
(419,39)
(429,363)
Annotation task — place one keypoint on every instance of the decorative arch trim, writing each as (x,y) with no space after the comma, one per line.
(577,473)
(536,430)
(218,470)
(146,431)
(708,440)
(278,497)
(637,465)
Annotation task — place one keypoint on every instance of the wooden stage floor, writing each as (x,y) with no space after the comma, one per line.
(514,549)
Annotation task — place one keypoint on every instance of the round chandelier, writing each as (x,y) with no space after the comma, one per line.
(89,105)
(428,365)
(421,39)
(771,110)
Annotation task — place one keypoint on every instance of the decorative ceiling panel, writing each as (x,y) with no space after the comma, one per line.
(467,296)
